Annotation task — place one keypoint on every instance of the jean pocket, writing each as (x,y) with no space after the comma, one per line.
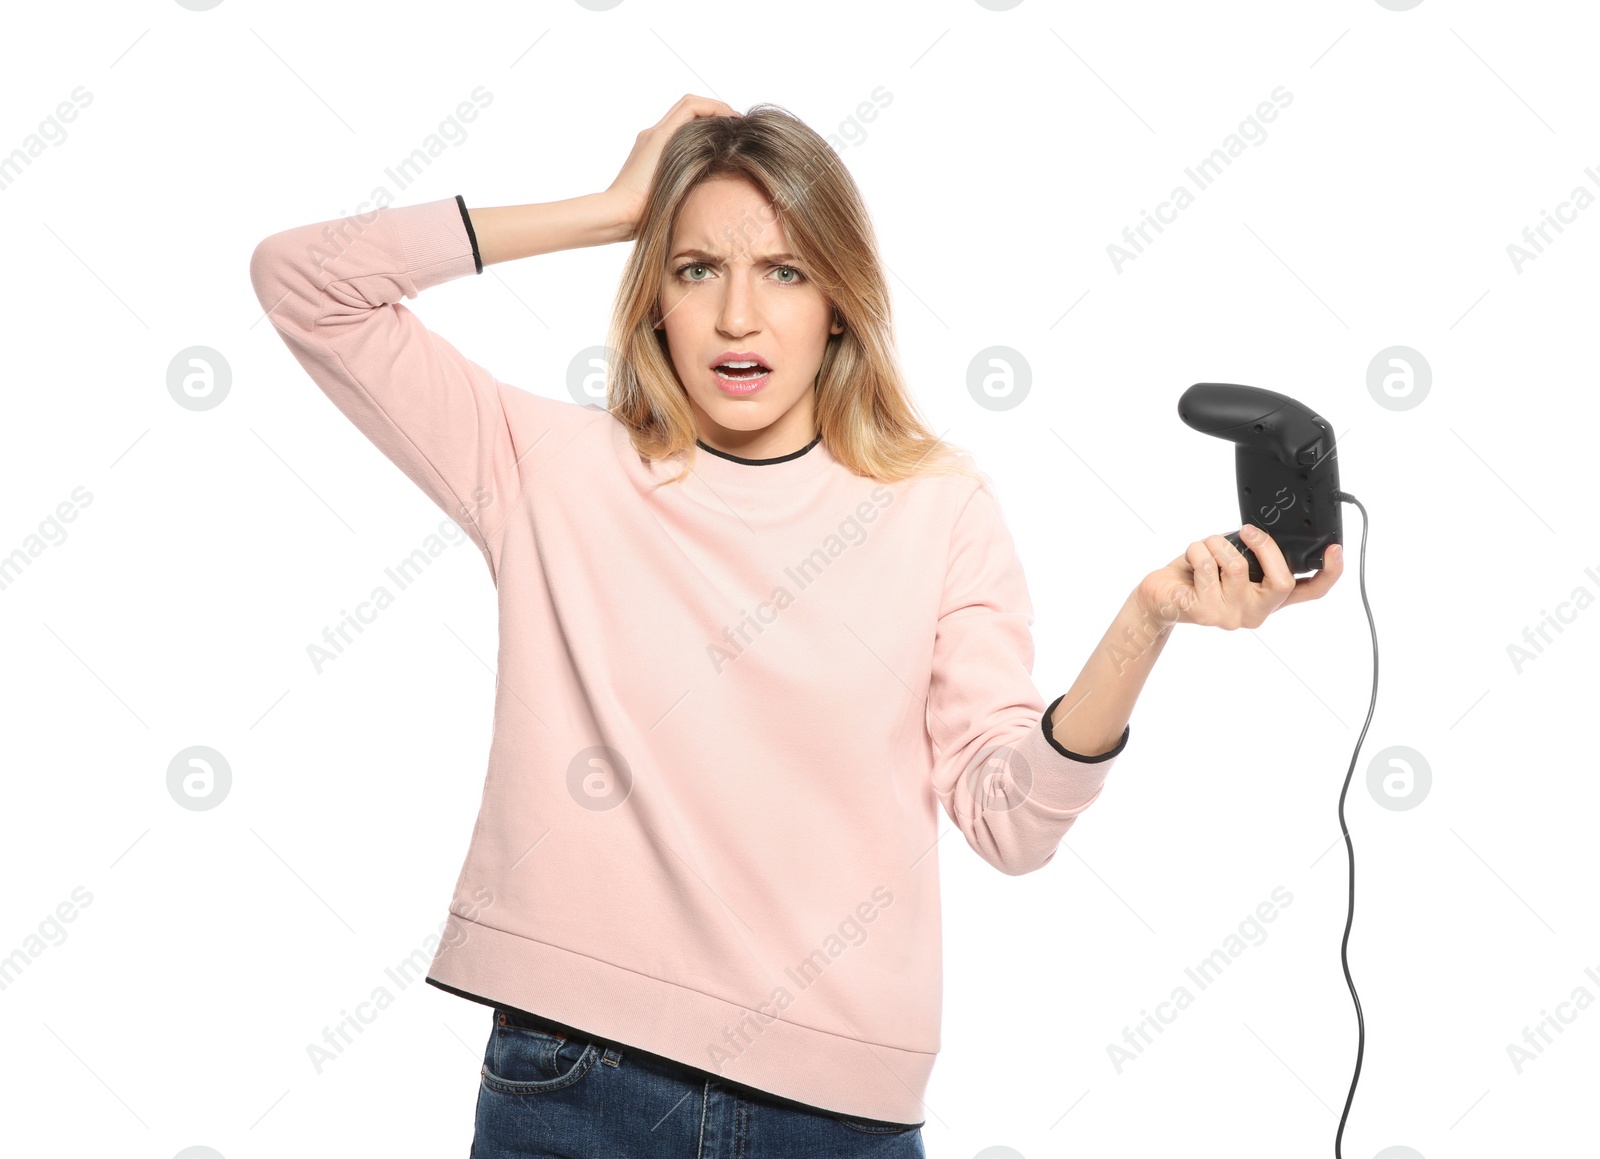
(525,1060)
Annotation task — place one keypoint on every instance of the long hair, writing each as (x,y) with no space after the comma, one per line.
(865,414)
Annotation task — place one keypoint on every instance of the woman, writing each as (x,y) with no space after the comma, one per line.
(757,627)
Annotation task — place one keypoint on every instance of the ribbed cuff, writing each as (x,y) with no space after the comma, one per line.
(1062,781)
(434,241)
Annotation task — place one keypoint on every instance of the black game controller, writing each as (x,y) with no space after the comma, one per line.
(1285,460)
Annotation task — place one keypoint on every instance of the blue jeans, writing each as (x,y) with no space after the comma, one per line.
(558,1095)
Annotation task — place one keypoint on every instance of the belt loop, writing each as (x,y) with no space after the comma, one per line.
(613,1056)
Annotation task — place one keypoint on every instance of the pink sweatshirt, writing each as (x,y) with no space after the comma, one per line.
(728,711)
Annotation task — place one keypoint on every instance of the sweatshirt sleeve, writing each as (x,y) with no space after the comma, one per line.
(1005,782)
(333,290)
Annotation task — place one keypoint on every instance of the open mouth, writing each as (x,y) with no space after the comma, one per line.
(742,371)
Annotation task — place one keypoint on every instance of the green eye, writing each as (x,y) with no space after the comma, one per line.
(796,280)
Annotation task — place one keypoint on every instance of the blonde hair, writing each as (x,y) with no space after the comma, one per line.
(865,414)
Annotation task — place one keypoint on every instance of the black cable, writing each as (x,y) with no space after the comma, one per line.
(1361,1026)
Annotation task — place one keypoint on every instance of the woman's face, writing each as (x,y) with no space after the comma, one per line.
(731,288)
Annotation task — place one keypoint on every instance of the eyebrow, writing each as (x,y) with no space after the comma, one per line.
(705,256)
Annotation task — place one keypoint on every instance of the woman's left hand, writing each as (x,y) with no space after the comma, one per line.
(1210,583)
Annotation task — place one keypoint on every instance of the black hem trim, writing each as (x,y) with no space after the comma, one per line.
(477,259)
(1044,727)
(754,1093)
(763,463)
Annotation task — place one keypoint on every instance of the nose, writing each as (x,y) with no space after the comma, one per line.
(738,303)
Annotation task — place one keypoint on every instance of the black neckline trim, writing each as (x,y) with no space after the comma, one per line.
(761,462)
(477,259)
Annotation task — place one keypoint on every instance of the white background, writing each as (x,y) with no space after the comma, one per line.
(1017,146)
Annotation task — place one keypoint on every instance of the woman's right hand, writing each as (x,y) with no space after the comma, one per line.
(633,183)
